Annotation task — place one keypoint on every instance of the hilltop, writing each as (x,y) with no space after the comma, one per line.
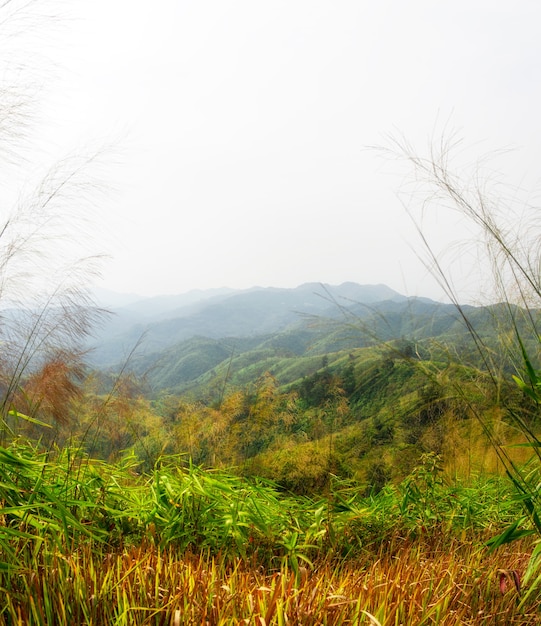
(207,339)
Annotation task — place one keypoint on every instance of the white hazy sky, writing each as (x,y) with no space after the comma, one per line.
(241,125)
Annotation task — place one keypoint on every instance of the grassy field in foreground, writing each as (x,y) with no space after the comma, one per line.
(440,581)
(92,543)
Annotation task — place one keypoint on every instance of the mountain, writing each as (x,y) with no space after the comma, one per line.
(238,336)
(236,339)
(171,305)
(202,362)
(155,324)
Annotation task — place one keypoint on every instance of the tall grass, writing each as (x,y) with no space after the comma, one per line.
(46,261)
(506,250)
(57,500)
(437,582)
(85,541)
(45,315)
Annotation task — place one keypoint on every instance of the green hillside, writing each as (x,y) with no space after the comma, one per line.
(412,327)
(155,326)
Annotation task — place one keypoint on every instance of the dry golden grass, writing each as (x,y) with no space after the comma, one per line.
(439,582)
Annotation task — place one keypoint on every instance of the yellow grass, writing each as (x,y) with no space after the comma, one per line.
(439,582)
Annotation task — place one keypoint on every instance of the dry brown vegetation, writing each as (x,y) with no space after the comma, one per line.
(439,581)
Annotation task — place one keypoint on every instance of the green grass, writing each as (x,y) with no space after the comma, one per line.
(84,541)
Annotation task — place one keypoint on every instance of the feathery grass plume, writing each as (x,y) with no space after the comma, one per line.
(46,261)
(505,251)
(46,311)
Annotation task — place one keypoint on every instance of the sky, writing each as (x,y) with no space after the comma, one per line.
(235,138)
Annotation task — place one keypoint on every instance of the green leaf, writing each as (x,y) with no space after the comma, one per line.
(511,533)
(33,420)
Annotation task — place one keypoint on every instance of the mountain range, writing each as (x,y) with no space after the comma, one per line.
(194,340)
(153,324)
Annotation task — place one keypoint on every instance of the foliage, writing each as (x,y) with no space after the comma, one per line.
(376,434)
(82,540)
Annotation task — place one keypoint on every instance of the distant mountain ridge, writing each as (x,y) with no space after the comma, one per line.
(236,336)
(152,306)
(155,324)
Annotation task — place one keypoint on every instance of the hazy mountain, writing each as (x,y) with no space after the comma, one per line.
(297,348)
(157,307)
(154,324)
(108,299)
(240,336)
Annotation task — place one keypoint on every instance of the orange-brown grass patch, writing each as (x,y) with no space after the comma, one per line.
(440,582)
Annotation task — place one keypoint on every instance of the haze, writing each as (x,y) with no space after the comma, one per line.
(240,130)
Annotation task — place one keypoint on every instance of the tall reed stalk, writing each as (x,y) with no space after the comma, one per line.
(46,263)
(505,248)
